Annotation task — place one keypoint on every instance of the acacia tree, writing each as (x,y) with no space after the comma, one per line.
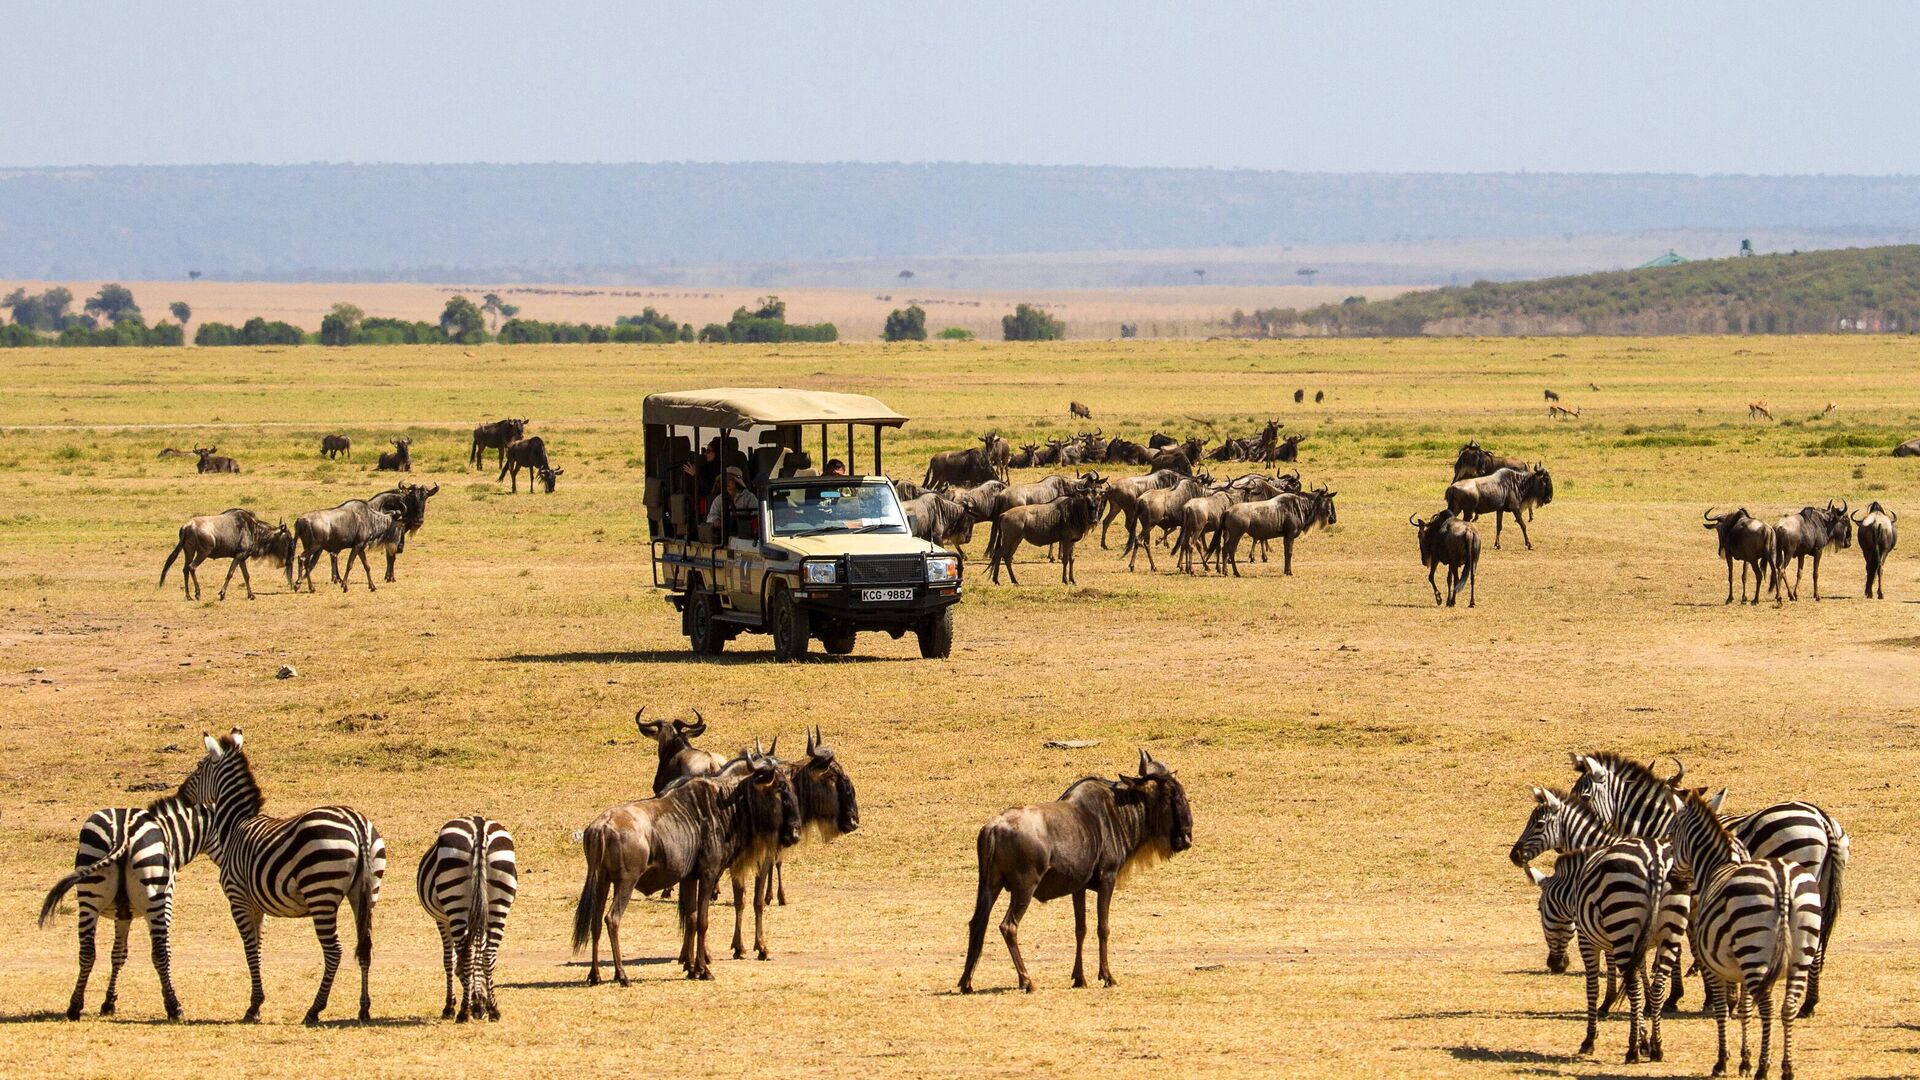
(112,304)
(181,313)
(908,325)
(462,322)
(1029,323)
(497,309)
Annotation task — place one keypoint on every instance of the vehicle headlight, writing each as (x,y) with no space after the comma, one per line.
(942,569)
(821,572)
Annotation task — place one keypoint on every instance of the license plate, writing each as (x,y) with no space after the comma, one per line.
(876,595)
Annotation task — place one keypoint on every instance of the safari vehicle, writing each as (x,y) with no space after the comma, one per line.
(815,556)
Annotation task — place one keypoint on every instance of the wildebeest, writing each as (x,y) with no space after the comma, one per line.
(1505,491)
(1161,439)
(1125,452)
(939,519)
(1877,537)
(1445,539)
(495,436)
(1299,396)
(210,461)
(1910,448)
(1024,459)
(679,758)
(529,454)
(1158,507)
(1170,457)
(983,501)
(352,527)
(1079,410)
(235,534)
(1200,518)
(1474,460)
(1551,396)
(1287,517)
(335,445)
(688,836)
(410,502)
(829,808)
(999,452)
(1049,454)
(1808,533)
(401,460)
(1747,539)
(1093,837)
(958,468)
(1319,396)
(1064,521)
(1123,497)
(1288,449)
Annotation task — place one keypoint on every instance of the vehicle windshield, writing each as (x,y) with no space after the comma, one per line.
(834,506)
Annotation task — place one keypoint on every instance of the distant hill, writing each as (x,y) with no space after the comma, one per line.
(1871,289)
(659,222)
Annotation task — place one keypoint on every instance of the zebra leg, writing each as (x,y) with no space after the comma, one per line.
(1595,961)
(1079,937)
(89,922)
(1656,994)
(326,926)
(1636,981)
(1717,1005)
(1743,1003)
(122,923)
(1763,998)
(462,935)
(159,930)
(248,924)
(1796,986)
(495,931)
(1613,989)
(1102,902)
(446,964)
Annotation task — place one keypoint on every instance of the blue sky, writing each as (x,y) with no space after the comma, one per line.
(1704,87)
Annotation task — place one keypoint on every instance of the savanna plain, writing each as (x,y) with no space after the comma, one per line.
(1358,759)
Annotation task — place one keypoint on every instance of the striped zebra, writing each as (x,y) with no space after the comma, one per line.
(1618,903)
(298,867)
(127,863)
(1756,925)
(467,882)
(1563,824)
(1638,803)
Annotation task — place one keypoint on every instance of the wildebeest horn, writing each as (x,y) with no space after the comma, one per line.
(773,751)
(1146,759)
(1844,505)
(1709,515)
(1854,517)
(1415,522)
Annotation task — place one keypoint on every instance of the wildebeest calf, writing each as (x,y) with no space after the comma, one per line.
(398,461)
(1092,837)
(236,534)
(335,445)
(1877,537)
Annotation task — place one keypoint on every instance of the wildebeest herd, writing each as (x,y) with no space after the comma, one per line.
(1646,864)
(382,522)
(708,816)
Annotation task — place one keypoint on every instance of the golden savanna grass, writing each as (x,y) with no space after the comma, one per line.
(1358,760)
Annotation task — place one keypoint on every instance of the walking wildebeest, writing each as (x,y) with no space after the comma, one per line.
(1910,448)
(235,534)
(410,502)
(679,758)
(531,455)
(938,519)
(401,460)
(958,468)
(351,527)
(1505,491)
(1079,410)
(495,436)
(1287,516)
(335,445)
(1877,537)
(1158,507)
(688,836)
(1446,539)
(1064,521)
(1200,518)
(1096,835)
(1123,497)
(828,808)
(998,451)
(1808,533)
(209,462)
(1747,539)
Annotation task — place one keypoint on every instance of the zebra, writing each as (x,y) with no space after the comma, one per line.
(1756,923)
(1637,803)
(467,882)
(296,867)
(1565,823)
(128,861)
(1617,900)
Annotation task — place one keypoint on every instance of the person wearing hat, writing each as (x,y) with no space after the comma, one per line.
(734,495)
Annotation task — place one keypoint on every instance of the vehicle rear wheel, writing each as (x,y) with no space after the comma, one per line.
(839,644)
(791,627)
(703,633)
(936,635)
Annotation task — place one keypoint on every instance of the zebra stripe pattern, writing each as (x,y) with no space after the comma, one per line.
(467,882)
(298,867)
(1637,803)
(127,862)
(1616,902)
(1756,923)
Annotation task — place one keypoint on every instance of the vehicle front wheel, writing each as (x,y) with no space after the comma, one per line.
(703,633)
(936,635)
(791,627)
(839,644)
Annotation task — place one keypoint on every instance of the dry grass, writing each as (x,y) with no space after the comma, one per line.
(1357,759)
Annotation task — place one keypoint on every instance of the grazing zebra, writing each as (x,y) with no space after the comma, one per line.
(1637,803)
(1618,901)
(1756,923)
(127,863)
(298,867)
(467,883)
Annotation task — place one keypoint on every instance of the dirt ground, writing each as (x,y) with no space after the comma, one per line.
(1358,760)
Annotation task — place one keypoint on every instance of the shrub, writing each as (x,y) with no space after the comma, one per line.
(907,325)
(1029,323)
(955,333)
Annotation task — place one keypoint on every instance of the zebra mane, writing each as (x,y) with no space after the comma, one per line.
(1633,772)
(179,796)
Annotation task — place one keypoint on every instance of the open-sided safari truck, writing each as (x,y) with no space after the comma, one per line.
(814,555)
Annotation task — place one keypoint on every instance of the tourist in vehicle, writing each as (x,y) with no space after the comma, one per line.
(836,467)
(735,496)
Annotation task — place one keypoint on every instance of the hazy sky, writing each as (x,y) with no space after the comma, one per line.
(1672,86)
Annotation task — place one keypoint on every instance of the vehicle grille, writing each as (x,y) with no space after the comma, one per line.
(886,569)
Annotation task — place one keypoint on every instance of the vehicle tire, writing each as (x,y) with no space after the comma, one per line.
(936,635)
(839,644)
(791,627)
(703,632)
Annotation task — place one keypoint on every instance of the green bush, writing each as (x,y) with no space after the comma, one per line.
(907,325)
(955,333)
(1029,323)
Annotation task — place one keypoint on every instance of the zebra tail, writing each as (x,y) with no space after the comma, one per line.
(1832,876)
(367,893)
(593,894)
(477,900)
(1649,928)
(61,887)
(172,555)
